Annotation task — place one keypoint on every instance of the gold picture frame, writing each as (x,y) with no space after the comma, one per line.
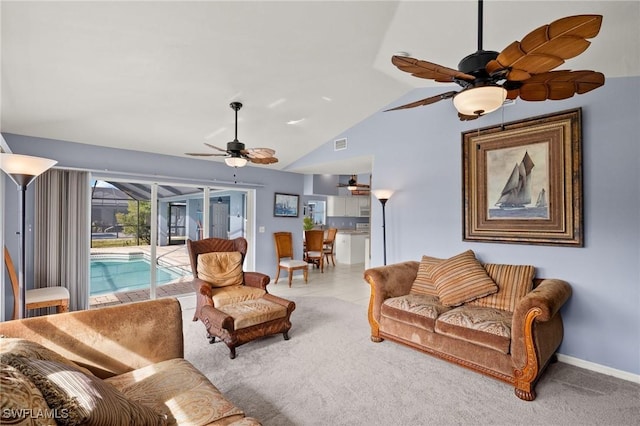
(522,181)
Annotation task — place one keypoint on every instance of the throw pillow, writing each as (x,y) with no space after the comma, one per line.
(423,283)
(82,399)
(462,278)
(514,282)
(221,269)
(33,350)
(20,400)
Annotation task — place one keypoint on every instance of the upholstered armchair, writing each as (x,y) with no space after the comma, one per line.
(234,305)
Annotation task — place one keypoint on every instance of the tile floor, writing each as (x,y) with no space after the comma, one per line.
(341,281)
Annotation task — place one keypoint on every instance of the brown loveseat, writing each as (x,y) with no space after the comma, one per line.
(130,356)
(495,319)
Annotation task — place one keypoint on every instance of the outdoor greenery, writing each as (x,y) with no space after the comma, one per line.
(137,220)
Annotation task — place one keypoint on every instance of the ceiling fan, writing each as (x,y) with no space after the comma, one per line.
(522,70)
(236,154)
(353,185)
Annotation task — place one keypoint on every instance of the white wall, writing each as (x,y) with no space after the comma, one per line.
(418,153)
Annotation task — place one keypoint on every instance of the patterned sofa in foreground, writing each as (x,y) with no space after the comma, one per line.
(119,365)
(495,319)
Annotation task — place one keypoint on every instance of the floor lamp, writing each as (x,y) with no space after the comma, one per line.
(383,196)
(23,169)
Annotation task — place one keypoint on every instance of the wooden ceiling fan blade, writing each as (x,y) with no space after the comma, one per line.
(199,154)
(259,152)
(548,46)
(429,70)
(426,101)
(464,117)
(558,85)
(265,160)
(215,147)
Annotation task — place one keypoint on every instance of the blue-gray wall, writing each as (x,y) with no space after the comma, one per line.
(168,169)
(418,153)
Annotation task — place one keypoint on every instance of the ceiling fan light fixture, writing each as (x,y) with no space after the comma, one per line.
(480,100)
(235,161)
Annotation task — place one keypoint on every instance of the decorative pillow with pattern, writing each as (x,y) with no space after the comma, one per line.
(462,278)
(220,269)
(21,403)
(513,281)
(82,399)
(33,350)
(423,283)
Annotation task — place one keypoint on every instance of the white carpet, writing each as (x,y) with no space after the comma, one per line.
(330,373)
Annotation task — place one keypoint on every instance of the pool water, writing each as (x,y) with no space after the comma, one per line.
(109,276)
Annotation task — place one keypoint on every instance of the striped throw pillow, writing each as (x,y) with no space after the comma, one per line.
(423,283)
(514,282)
(462,278)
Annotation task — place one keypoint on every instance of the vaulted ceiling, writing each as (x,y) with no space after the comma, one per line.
(159,76)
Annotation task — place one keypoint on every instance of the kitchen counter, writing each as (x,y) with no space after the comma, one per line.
(352,232)
(350,246)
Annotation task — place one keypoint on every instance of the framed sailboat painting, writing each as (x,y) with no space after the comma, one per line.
(522,181)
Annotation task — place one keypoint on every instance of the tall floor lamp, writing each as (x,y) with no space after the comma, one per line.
(23,169)
(383,196)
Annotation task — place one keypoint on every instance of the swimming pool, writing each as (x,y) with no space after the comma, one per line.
(114,275)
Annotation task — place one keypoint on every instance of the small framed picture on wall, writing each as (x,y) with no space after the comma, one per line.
(286,205)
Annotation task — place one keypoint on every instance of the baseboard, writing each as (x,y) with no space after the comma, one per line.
(598,368)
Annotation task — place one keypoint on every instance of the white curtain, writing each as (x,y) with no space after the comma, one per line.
(62,233)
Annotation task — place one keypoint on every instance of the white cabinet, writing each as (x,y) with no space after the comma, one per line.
(350,247)
(354,206)
(364,206)
(336,206)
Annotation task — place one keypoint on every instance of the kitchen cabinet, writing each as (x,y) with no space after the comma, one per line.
(336,206)
(352,206)
(350,247)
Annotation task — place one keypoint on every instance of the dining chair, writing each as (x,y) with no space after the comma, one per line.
(314,248)
(286,261)
(36,298)
(329,246)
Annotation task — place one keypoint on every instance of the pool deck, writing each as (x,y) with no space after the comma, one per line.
(176,256)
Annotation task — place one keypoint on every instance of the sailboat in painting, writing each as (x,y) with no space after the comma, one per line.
(541,202)
(517,191)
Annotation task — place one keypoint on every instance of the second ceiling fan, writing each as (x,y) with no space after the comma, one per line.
(522,70)
(236,154)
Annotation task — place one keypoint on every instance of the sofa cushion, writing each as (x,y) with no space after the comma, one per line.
(486,327)
(235,294)
(423,283)
(80,398)
(220,269)
(252,312)
(20,400)
(419,310)
(33,350)
(513,281)
(177,387)
(462,278)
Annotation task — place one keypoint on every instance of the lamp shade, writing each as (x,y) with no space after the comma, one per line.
(235,161)
(23,168)
(383,194)
(479,100)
